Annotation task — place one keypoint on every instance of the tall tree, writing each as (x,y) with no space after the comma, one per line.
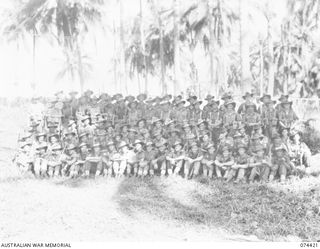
(177,66)
(65,20)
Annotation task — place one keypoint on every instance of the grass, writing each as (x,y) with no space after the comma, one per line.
(271,212)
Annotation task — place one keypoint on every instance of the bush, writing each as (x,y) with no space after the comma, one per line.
(311,136)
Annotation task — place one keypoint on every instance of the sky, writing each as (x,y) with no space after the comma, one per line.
(16,71)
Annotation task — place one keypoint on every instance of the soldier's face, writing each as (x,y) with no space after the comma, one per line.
(284,133)
(83,149)
(259,131)
(103,142)
(54,139)
(225,153)
(270,106)
(205,138)
(42,151)
(174,134)
(149,148)
(138,147)
(140,124)
(194,149)
(241,151)
(124,149)
(265,100)
(96,149)
(260,153)
(58,152)
(158,124)
(230,107)
(296,137)
(214,106)
(84,139)
(177,148)
(26,148)
(223,135)
(72,152)
(279,153)
(211,150)
(250,109)
(202,126)
(287,106)
(162,148)
(187,129)
(41,139)
(242,130)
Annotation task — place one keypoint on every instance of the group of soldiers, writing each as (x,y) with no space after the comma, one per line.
(116,136)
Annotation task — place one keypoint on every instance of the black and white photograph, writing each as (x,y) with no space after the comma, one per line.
(159,121)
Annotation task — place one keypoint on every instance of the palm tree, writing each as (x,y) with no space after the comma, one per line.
(176,41)
(65,20)
(211,22)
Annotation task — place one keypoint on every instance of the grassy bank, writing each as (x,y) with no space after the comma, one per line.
(270,212)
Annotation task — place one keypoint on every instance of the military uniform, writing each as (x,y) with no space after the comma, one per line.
(176,158)
(260,166)
(287,117)
(209,157)
(224,161)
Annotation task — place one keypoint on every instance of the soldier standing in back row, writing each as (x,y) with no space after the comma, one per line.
(248,100)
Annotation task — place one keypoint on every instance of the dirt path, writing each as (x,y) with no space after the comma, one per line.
(63,210)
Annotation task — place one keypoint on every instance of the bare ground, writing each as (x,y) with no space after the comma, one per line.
(149,209)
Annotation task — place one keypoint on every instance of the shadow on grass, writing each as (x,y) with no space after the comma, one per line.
(241,209)
(72,183)
(146,195)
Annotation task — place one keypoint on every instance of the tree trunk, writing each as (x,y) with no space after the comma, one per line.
(288,52)
(123,73)
(177,75)
(80,68)
(271,64)
(245,74)
(115,66)
(143,49)
(261,68)
(213,86)
(139,82)
(33,84)
(162,65)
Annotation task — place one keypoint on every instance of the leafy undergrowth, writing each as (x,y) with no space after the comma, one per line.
(311,136)
(271,212)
